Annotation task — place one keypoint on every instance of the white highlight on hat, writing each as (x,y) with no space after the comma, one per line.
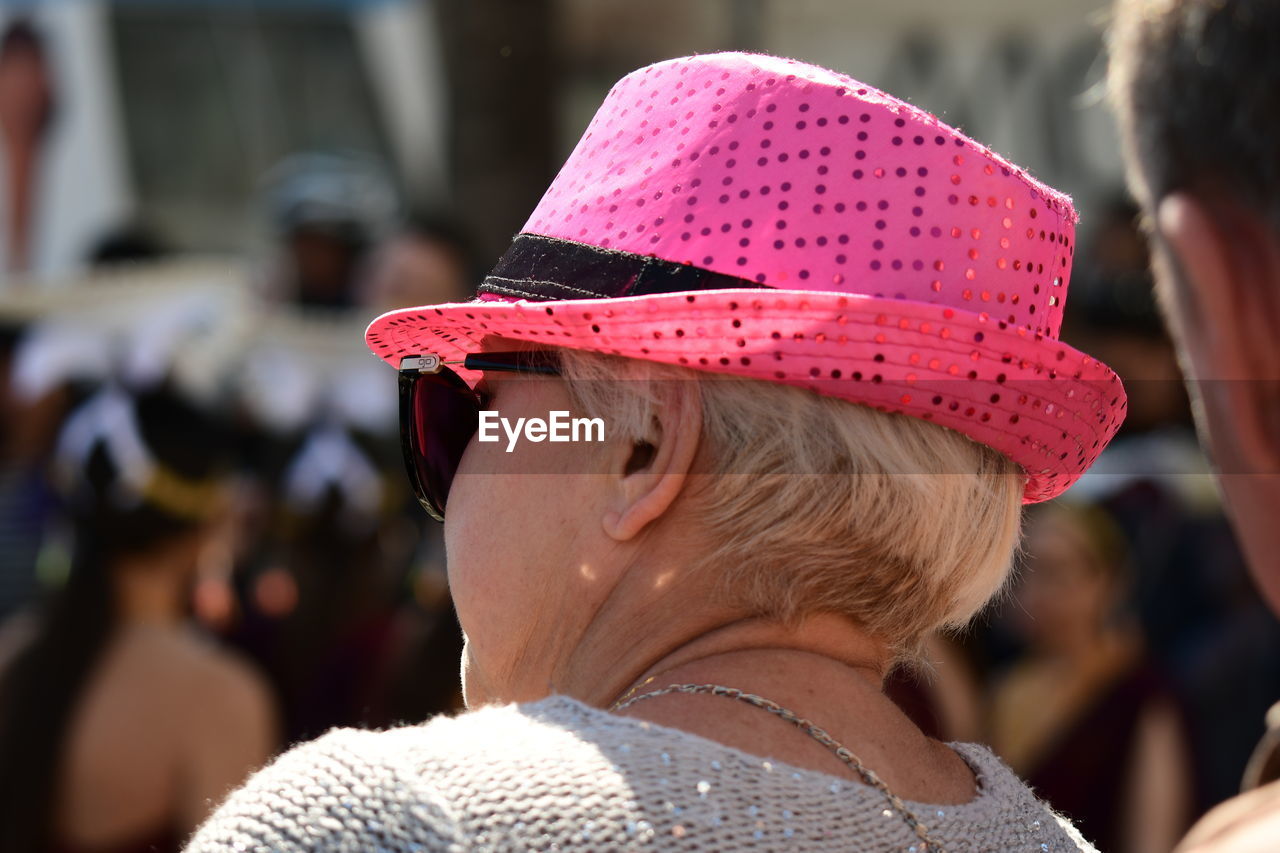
(108,418)
(330,458)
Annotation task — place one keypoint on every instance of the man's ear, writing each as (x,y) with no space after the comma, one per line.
(650,473)
(1226,278)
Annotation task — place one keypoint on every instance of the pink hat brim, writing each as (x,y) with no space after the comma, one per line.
(1047,406)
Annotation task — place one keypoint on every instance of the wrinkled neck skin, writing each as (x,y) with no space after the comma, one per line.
(658,622)
(751,654)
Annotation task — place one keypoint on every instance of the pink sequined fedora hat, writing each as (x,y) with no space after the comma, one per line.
(758,216)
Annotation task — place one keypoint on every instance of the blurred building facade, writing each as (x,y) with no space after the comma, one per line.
(169,113)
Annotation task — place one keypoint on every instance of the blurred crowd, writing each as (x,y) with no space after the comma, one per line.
(208,550)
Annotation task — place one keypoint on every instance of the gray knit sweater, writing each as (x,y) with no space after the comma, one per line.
(561,775)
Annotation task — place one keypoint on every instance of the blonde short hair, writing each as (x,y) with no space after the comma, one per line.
(821,505)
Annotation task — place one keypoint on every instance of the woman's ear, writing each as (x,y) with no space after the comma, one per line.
(650,472)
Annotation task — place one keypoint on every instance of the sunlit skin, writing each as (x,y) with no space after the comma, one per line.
(161,704)
(570,569)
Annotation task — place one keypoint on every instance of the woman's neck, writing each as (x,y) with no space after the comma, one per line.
(826,671)
(766,654)
(150,591)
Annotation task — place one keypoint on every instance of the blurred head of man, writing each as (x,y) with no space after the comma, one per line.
(328,208)
(1196,85)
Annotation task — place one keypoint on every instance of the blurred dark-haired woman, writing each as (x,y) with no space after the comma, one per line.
(1086,716)
(119,727)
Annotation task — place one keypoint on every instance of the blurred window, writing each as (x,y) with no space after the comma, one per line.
(213,95)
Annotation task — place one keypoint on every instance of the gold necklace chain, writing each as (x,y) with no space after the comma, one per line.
(618,703)
(842,752)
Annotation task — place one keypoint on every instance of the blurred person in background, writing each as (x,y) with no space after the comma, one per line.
(430,259)
(328,210)
(119,727)
(335,584)
(1085,717)
(1194,84)
(29,425)
(340,588)
(27,105)
(335,587)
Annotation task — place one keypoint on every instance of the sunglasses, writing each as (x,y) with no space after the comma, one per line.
(440,413)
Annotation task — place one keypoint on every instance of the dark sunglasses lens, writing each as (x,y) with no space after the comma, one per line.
(444,418)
